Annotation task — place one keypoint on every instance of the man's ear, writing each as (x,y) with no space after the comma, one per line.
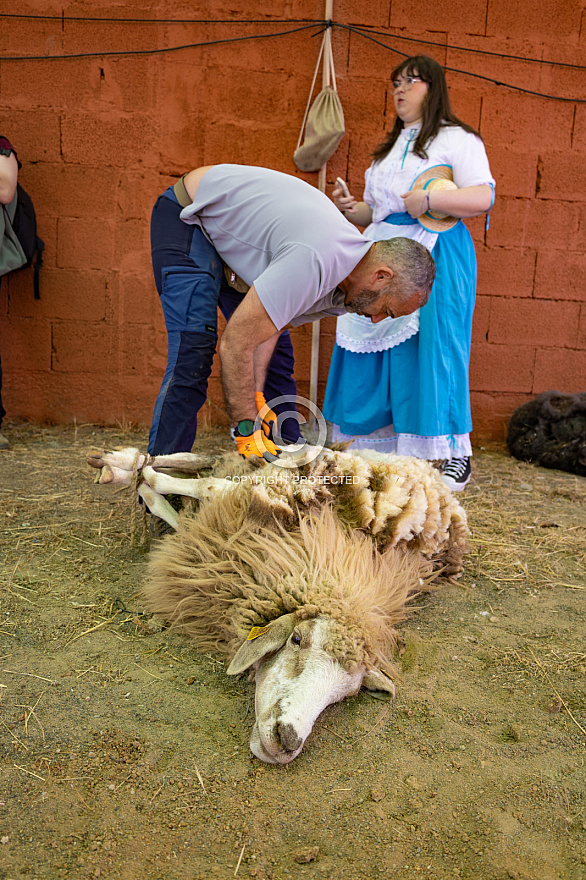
(381,277)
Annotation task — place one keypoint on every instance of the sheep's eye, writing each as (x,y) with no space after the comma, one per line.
(296,639)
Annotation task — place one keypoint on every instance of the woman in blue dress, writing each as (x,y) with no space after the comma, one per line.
(417,365)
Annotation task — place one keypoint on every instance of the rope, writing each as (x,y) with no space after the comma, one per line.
(321,49)
(171,21)
(154,51)
(325,50)
(136,536)
(65,17)
(323,26)
(134,484)
(463,48)
(466,72)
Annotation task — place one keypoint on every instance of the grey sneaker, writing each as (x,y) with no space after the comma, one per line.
(456,473)
(4,442)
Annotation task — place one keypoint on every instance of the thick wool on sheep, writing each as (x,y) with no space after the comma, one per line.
(297,571)
(350,536)
(223,573)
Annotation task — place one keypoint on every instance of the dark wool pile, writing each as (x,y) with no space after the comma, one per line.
(550,431)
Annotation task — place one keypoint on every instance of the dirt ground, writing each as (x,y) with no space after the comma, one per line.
(125,755)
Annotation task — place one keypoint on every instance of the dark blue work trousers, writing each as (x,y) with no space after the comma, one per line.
(190,281)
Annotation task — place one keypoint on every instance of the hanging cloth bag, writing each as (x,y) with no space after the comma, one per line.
(324,122)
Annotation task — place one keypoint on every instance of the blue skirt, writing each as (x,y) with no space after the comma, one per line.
(421,385)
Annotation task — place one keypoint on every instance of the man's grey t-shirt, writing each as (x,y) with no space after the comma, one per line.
(280,234)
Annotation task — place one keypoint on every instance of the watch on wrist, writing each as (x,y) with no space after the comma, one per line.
(244,428)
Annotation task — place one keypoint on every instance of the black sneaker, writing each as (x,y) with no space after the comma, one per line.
(456,473)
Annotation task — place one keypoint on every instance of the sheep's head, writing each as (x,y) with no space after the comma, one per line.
(297,675)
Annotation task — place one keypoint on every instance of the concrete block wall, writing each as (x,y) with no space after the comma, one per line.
(101,136)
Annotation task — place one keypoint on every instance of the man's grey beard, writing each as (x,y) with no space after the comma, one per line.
(361,301)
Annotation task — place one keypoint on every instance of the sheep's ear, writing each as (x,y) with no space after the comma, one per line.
(375,680)
(261,641)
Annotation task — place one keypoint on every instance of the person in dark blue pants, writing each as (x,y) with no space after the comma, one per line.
(190,280)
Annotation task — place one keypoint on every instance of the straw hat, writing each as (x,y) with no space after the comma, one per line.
(438,177)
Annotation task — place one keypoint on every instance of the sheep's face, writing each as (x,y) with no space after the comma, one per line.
(296,678)
(293,687)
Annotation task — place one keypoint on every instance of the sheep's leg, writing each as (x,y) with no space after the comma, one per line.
(203,488)
(114,476)
(165,484)
(130,458)
(186,462)
(124,459)
(158,506)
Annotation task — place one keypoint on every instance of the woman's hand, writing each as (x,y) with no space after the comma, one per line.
(358,213)
(416,202)
(343,202)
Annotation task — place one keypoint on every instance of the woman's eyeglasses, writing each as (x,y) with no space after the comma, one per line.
(404,84)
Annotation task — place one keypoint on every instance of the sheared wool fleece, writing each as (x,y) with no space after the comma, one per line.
(550,430)
(352,551)
(400,501)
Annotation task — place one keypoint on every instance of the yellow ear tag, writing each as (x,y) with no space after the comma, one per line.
(256,631)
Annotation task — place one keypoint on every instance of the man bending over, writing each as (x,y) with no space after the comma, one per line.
(273,252)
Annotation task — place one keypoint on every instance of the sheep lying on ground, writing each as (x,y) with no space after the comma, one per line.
(300,576)
(550,431)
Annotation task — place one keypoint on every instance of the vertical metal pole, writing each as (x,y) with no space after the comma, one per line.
(321,185)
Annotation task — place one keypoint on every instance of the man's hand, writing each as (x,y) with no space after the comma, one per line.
(268,417)
(253,443)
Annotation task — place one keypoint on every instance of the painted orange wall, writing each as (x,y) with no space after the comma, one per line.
(101,137)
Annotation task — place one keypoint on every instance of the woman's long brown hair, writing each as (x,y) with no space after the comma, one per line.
(437,112)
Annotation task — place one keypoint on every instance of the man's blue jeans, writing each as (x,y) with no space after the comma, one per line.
(189,276)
